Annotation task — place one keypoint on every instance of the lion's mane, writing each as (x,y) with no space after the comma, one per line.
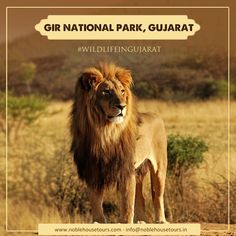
(103,153)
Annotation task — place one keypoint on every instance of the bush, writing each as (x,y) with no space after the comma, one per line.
(184,153)
(211,88)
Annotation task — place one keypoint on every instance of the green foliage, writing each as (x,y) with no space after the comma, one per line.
(28,108)
(184,153)
(221,89)
(21,111)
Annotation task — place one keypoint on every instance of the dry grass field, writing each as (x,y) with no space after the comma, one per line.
(42,181)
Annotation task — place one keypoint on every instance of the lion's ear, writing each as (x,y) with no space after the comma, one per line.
(88,80)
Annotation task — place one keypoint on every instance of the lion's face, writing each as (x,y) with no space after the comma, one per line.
(108,92)
(111,98)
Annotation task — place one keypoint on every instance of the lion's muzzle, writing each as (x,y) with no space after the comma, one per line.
(120,112)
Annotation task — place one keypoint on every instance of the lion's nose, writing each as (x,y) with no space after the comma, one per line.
(121,106)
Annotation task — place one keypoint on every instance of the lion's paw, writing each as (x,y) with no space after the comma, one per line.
(162,222)
(141,222)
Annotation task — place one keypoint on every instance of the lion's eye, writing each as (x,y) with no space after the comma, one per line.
(106,92)
(122,91)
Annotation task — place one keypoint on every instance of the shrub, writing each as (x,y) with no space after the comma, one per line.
(184,153)
(222,89)
(211,88)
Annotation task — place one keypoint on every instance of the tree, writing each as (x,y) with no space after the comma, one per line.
(21,111)
(27,74)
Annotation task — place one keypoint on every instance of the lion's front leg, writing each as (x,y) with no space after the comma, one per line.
(127,193)
(96,200)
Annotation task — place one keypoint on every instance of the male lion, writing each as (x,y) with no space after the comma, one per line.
(113,143)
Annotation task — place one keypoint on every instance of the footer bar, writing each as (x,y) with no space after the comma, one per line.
(119,229)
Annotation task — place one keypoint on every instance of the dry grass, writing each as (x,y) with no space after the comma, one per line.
(207,120)
(39,165)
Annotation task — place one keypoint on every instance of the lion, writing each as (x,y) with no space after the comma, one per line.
(115,145)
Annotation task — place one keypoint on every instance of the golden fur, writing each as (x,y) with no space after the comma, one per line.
(106,129)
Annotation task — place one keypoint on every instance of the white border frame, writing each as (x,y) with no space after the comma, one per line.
(120,7)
